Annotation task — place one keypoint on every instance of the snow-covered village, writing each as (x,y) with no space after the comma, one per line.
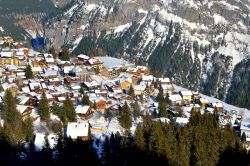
(92,98)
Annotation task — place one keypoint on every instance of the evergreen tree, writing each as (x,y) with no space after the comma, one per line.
(244,137)
(29,129)
(139,139)
(131,91)
(43,108)
(68,109)
(53,52)
(162,109)
(160,97)
(107,114)
(13,125)
(85,100)
(137,109)
(95,106)
(28,72)
(64,54)
(125,118)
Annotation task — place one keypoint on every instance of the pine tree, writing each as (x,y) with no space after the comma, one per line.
(137,109)
(243,137)
(139,139)
(13,125)
(28,72)
(68,109)
(131,91)
(162,109)
(53,52)
(85,100)
(160,97)
(125,118)
(95,106)
(64,54)
(29,129)
(107,113)
(43,108)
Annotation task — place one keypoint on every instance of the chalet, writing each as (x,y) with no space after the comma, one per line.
(218,106)
(175,99)
(164,81)
(101,103)
(35,86)
(12,87)
(54,81)
(167,89)
(139,89)
(78,130)
(49,58)
(36,70)
(95,63)
(204,102)
(186,95)
(83,58)
(83,111)
(9,61)
(91,85)
(139,70)
(27,101)
(67,69)
(24,110)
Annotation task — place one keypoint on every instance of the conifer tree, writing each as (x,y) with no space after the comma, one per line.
(68,109)
(160,97)
(243,137)
(107,113)
(162,109)
(43,108)
(125,118)
(28,72)
(139,139)
(137,109)
(95,106)
(131,91)
(29,129)
(85,100)
(13,125)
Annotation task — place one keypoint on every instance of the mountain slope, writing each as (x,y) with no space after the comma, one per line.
(197,43)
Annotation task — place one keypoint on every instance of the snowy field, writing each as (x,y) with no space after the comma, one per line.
(111,62)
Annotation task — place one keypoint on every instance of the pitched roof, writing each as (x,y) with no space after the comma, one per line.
(77,129)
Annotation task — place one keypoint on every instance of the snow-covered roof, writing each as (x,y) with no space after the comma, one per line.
(21,108)
(217,105)
(67,69)
(186,93)
(148,78)
(111,62)
(82,56)
(164,80)
(26,89)
(49,58)
(82,109)
(6,54)
(77,129)
(37,69)
(204,100)
(167,87)
(181,121)
(22,99)
(175,97)
(140,87)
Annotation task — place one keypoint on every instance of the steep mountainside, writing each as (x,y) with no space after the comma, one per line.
(24,18)
(200,44)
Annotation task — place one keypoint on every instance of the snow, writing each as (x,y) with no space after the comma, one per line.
(142,11)
(110,62)
(77,41)
(219,19)
(39,141)
(1,29)
(121,28)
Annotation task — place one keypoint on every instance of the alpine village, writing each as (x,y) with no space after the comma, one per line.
(64,109)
